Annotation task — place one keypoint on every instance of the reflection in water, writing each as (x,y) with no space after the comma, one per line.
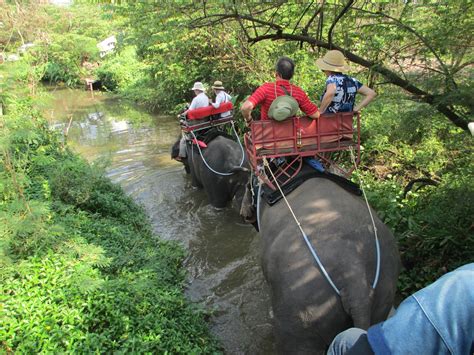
(223,258)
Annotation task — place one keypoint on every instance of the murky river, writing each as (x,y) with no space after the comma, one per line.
(223,254)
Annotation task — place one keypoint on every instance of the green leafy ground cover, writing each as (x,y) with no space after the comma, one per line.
(80,270)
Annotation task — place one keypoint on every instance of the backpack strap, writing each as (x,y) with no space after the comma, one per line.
(286,91)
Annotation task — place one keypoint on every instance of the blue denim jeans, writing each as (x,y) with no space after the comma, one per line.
(344,341)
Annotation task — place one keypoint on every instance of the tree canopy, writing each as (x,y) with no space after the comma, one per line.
(425,48)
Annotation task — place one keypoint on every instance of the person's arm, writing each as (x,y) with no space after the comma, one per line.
(315,115)
(255,99)
(328,96)
(246,110)
(193,104)
(369,96)
(219,99)
(308,107)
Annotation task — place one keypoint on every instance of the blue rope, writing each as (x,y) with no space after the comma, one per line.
(205,162)
(377,271)
(318,261)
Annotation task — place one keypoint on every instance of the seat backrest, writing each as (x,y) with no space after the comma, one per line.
(202,112)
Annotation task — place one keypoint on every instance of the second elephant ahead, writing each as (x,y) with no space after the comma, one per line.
(221,169)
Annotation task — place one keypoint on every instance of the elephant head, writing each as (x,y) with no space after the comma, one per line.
(175,156)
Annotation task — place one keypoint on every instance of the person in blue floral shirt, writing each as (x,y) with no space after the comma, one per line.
(341,89)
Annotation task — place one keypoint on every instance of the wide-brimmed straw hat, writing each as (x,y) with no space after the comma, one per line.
(333,61)
(218,85)
(198,86)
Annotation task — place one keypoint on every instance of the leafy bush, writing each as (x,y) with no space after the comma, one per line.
(433,225)
(120,71)
(65,53)
(80,270)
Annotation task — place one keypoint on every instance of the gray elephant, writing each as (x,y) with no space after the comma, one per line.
(223,173)
(308,313)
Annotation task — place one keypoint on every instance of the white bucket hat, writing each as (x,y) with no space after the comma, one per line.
(198,86)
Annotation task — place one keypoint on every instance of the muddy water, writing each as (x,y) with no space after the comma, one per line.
(223,254)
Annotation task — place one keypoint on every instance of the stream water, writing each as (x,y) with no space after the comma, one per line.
(223,254)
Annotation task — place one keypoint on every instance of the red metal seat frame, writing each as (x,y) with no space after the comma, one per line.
(200,118)
(300,137)
(198,125)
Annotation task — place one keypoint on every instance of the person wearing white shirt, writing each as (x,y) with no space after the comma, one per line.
(201,100)
(221,97)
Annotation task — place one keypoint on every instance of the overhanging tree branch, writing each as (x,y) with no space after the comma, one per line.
(217,18)
(302,15)
(336,20)
(392,77)
(310,21)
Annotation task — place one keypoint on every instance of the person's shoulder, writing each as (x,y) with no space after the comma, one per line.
(333,78)
(298,89)
(467,267)
(355,81)
(266,84)
(264,87)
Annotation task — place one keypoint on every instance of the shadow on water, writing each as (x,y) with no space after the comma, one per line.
(223,254)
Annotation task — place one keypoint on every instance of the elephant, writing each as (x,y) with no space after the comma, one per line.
(230,164)
(307,311)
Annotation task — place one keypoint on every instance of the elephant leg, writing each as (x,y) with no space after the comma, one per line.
(216,194)
(192,169)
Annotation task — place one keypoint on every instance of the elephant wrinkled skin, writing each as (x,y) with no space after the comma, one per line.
(308,313)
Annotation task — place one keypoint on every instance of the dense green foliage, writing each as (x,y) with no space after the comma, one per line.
(66,228)
(65,38)
(80,270)
(405,136)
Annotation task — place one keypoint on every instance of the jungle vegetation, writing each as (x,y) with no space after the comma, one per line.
(417,162)
(80,269)
(79,243)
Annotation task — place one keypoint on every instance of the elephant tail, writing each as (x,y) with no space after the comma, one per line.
(357,302)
